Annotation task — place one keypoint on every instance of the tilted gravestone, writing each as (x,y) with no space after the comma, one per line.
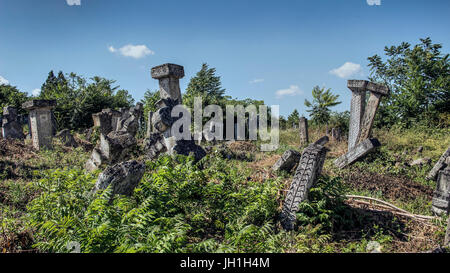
(357,108)
(41,122)
(287,161)
(303,128)
(11,127)
(362,116)
(441,164)
(441,197)
(117,135)
(122,178)
(357,152)
(376,92)
(308,170)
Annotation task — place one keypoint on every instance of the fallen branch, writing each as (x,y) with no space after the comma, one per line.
(387,205)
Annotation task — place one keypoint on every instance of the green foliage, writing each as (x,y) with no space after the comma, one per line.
(77,99)
(206,85)
(323,100)
(325,207)
(294,118)
(11,96)
(419,78)
(176,208)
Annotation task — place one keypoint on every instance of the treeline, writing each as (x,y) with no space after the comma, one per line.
(418,76)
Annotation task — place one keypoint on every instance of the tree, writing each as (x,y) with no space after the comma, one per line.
(323,100)
(11,96)
(77,99)
(419,78)
(206,85)
(293,118)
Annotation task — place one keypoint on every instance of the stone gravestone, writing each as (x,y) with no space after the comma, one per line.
(441,197)
(376,92)
(117,135)
(287,162)
(356,153)
(336,134)
(441,164)
(357,107)
(308,170)
(162,121)
(149,124)
(303,128)
(41,122)
(447,234)
(11,127)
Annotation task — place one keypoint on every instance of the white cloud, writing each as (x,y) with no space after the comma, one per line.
(3,81)
(133,51)
(293,90)
(36,92)
(256,81)
(374,2)
(73,2)
(347,70)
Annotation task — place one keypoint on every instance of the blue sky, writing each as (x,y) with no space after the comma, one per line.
(276,51)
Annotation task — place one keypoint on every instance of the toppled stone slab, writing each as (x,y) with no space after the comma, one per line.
(441,197)
(11,127)
(421,162)
(123,177)
(67,138)
(308,170)
(287,161)
(322,141)
(440,165)
(357,152)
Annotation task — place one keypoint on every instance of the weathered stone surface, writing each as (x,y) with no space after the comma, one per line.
(167,70)
(322,141)
(67,138)
(123,177)
(149,124)
(169,84)
(35,104)
(305,177)
(357,107)
(106,120)
(357,85)
(303,129)
(441,198)
(378,88)
(421,162)
(11,127)
(155,145)
(441,164)
(41,123)
(186,147)
(129,120)
(287,161)
(162,119)
(356,153)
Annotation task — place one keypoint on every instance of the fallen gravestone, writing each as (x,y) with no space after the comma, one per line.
(357,152)
(441,164)
(67,138)
(287,161)
(441,197)
(11,127)
(308,170)
(122,177)
(322,141)
(421,162)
